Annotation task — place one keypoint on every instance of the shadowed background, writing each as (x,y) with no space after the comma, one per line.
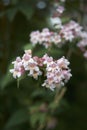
(17,19)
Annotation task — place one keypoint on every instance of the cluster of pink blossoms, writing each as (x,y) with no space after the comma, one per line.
(46,38)
(27,63)
(83,43)
(64,32)
(56,72)
(68,32)
(71,31)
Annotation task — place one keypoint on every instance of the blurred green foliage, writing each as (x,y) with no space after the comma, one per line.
(28,106)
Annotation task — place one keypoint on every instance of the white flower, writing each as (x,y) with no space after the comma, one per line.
(26,57)
(18,69)
(83,34)
(56,21)
(32,67)
(34,37)
(56,39)
(60,9)
(85,54)
(82,44)
(63,63)
(47,60)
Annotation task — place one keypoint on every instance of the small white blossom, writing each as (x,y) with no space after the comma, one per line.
(60,9)
(85,54)
(56,21)
(34,37)
(63,63)
(31,65)
(82,44)
(18,69)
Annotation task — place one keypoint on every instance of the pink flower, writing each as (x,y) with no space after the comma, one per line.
(18,69)
(34,37)
(63,63)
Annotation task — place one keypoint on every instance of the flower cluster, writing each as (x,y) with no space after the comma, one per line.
(46,38)
(27,63)
(83,43)
(56,72)
(62,33)
(68,32)
(43,37)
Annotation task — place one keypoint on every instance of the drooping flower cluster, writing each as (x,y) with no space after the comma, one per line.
(45,38)
(56,72)
(26,64)
(83,43)
(68,32)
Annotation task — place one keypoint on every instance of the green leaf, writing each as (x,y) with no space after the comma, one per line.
(56,53)
(41,50)
(8,78)
(26,10)
(11,13)
(28,46)
(37,117)
(65,19)
(37,93)
(20,116)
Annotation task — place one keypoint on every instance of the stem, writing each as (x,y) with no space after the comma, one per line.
(17,83)
(60,95)
(69,54)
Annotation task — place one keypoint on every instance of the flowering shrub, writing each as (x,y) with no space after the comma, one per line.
(46,87)
(50,71)
(56,71)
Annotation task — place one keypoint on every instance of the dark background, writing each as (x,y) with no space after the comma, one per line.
(17,19)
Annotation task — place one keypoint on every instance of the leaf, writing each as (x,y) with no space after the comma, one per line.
(65,19)
(8,78)
(11,13)
(28,46)
(37,93)
(26,10)
(17,118)
(37,117)
(56,52)
(41,50)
